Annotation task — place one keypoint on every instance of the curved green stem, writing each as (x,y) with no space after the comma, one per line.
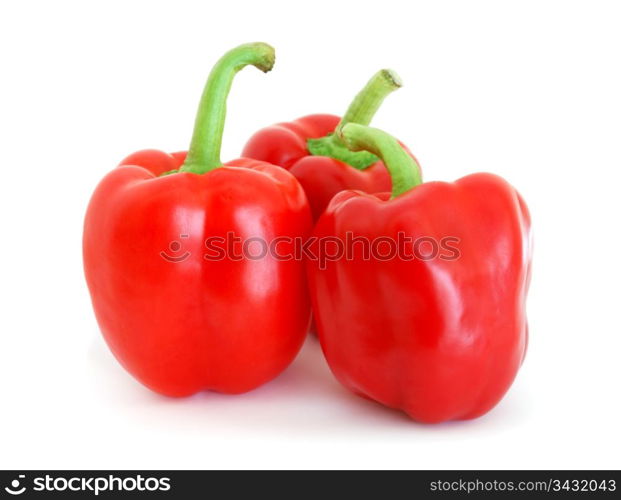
(404,170)
(366,103)
(204,152)
(361,111)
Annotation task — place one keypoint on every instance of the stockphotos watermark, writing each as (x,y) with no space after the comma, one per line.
(321,249)
(90,485)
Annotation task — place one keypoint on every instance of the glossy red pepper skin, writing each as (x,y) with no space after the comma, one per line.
(181,323)
(285,144)
(182,302)
(441,339)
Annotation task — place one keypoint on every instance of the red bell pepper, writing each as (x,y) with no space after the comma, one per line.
(440,330)
(177,321)
(311,150)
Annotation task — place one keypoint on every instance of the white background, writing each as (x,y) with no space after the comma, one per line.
(528,90)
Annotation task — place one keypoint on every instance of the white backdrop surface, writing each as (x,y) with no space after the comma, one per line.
(528,90)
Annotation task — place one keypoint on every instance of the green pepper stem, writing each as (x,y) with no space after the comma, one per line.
(403,169)
(204,152)
(361,110)
(370,98)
